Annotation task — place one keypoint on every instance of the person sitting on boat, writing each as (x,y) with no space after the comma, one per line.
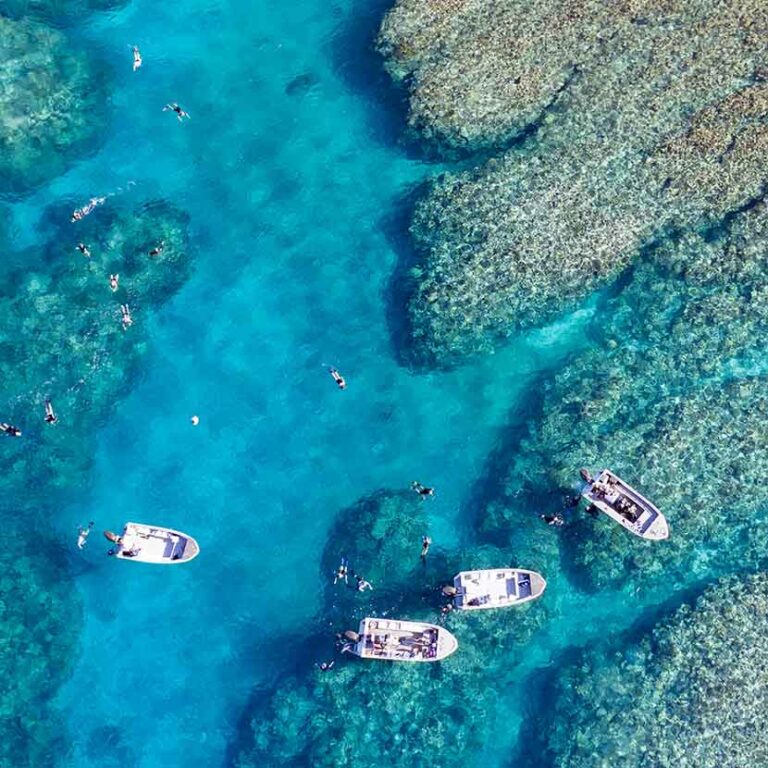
(50,416)
(362,584)
(422,490)
(10,430)
(425,543)
(338,378)
(342,572)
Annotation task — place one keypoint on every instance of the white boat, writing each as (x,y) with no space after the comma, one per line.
(622,503)
(393,640)
(496,588)
(153,544)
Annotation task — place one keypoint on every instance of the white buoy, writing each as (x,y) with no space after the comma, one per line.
(195,420)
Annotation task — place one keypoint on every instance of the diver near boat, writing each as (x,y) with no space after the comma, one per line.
(50,416)
(338,378)
(422,490)
(326,666)
(10,430)
(180,113)
(557,519)
(82,535)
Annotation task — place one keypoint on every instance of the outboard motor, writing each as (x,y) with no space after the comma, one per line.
(449,590)
(585,476)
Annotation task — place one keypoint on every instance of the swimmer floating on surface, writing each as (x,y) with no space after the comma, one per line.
(10,430)
(127,320)
(136,58)
(342,572)
(50,416)
(81,213)
(83,248)
(114,282)
(180,113)
(158,249)
(338,378)
(422,490)
(82,535)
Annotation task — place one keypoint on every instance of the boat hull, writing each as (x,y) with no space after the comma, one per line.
(408,641)
(156,545)
(496,588)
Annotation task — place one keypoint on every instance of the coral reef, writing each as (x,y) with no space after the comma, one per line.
(691,693)
(659,121)
(61,337)
(410,713)
(56,12)
(51,104)
(661,398)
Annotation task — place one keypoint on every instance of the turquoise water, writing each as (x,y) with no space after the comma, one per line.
(298,187)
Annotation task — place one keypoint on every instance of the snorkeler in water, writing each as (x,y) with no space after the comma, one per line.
(81,213)
(425,544)
(82,535)
(83,248)
(50,416)
(362,584)
(180,113)
(338,378)
(114,282)
(422,490)
(10,430)
(342,572)
(127,320)
(136,58)
(158,249)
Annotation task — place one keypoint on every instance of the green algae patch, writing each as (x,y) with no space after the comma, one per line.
(51,104)
(692,693)
(652,118)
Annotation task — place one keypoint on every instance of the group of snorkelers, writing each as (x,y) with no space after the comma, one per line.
(342,572)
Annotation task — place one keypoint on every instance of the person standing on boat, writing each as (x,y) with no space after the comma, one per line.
(425,544)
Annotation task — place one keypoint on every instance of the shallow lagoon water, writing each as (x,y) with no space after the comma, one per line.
(296,183)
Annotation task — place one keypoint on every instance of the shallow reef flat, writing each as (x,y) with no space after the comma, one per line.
(672,397)
(692,693)
(60,337)
(644,119)
(51,104)
(362,711)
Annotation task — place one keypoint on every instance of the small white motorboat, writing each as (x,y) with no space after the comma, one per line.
(622,503)
(152,544)
(393,640)
(496,588)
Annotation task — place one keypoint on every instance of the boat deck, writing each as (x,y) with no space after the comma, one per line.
(403,641)
(148,544)
(496,587)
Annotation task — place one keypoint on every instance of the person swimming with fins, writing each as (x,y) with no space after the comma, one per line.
(50,416)
(338,378)
(10,430)
(342,572)
(422,490)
